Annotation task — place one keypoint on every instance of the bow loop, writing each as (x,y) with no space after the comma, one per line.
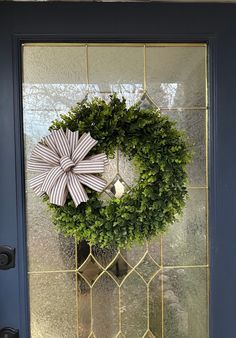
(85,144)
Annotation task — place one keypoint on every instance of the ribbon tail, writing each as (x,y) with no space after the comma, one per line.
(45,154)
(37,181)
(76,189)
(38,191)
(58,192)
(38,166)
(89,167)
(99,157)
(52,176)
(93,182)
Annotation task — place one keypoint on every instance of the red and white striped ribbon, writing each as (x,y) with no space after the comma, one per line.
(61,159)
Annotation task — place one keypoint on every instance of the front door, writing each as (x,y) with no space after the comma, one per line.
(172,286)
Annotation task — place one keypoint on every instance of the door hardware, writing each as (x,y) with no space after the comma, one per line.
(7,258)
(8,332)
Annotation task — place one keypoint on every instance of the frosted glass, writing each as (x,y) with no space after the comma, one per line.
(185,303)
(112,293)
(176,76)
(53,313)
(105,307)
(134,307)
(193,122)
(185,241)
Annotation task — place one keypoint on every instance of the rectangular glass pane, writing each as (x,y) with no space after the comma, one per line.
(154,290)
(176,76)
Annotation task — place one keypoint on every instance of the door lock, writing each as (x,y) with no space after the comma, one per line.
(8,332)
(7,258)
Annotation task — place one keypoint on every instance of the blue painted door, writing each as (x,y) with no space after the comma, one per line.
(31,36)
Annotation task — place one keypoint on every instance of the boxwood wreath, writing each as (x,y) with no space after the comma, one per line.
(158,150)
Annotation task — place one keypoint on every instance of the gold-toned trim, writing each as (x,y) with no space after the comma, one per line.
(107,44)
(87,66)
(184,108)
(197,187)
(76,289)
(162,292)
(50,271)
(132,269)
(207,183)
(185,266)
(144,69)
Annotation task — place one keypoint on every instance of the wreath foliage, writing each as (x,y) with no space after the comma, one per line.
(160,153)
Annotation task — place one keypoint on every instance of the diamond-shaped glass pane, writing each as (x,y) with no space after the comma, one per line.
(90,270)
(147,268)
(117,188)
(119,268)
(103,255)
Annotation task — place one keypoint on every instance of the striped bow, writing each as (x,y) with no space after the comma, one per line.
(61,159)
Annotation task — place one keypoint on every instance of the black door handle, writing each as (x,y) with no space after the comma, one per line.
(8,332)
(7,258)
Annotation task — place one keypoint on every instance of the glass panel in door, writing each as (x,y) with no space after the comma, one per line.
(158,289)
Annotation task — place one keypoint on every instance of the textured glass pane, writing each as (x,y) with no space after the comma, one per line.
(105,307)
(134,255)
(147,268)
(185,241)
(119,269)
(53,314)
(185,303)
(47,250)
(54,64)
(117,69)
(119,293)
(110,170)
(84,311)
(83,251)
(54,78)
(176,76)
(154,250)
(90,270)
(134,307)
(193,122)
(155,306)
(36,124)
(51,99)
(104,256)
(127,170)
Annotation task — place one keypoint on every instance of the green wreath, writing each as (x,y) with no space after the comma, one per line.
(160,153)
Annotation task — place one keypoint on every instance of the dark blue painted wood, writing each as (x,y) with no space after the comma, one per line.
(99,22)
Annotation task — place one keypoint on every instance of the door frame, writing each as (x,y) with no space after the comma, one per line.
(143,22)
